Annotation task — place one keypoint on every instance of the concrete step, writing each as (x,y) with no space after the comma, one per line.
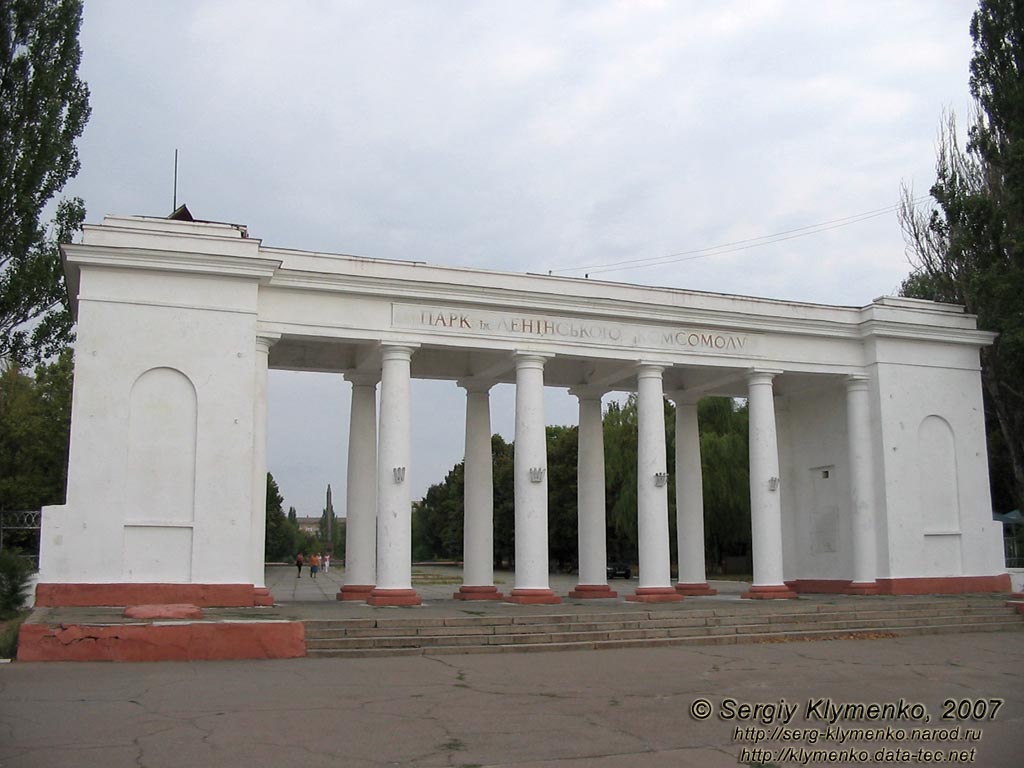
(1010,625)
(626,629)
(478,626)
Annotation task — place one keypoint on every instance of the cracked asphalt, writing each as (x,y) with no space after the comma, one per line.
(605,709)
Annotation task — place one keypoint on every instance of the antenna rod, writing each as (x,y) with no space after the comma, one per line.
(175,180)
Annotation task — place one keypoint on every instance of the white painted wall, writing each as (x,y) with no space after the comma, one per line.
(816,509)
(935,469)
(160,481)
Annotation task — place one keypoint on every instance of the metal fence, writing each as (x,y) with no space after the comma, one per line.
(19,530)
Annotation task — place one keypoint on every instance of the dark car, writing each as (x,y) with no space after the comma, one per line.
(619,569)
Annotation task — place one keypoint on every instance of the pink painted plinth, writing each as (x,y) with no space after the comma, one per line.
(184,641)
(862,588)
(533,597)
(654,595)
(770,592)
(381,597)
(478,593)
(592,592)
(355,592)
(695,590)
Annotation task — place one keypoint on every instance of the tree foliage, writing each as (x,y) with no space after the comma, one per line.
(278,542)
(35,424)
(968,248)
(44,107)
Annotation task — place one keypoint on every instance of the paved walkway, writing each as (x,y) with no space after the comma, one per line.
(594,709)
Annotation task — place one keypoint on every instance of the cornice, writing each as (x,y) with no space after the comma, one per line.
(170,261)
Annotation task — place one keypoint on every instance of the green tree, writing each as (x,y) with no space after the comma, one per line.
(35,423)
(44,107)
(280,538)
(503,478)
(969,247)
(563,541)
(620,457)
(725,463)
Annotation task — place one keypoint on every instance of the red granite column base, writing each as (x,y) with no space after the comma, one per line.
(381,597)
(695,590)
(654,595)
(478,593)
(770,592)
(355,592)
(592,592)
(261,596)
(862,588)
(533,597)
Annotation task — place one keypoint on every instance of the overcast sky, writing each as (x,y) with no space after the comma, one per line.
(525,136)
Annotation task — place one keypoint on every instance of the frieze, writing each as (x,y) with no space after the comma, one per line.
(529,325)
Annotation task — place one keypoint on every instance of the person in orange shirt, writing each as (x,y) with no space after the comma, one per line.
(314,565)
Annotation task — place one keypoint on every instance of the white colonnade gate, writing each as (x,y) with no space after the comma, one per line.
(868,469)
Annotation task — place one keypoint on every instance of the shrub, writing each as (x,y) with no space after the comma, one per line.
(9,636)
(14,582)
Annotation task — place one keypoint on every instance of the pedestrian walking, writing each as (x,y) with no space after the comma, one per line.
(299,560)
(314,565)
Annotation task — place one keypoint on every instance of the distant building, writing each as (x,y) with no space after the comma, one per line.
(309,524)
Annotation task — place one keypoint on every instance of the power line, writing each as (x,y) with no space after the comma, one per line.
(738,245)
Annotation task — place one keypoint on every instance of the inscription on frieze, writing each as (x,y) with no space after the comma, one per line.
(528,325)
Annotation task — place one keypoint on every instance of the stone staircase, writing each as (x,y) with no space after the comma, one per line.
(690,622)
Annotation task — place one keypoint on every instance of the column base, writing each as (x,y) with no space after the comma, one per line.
(592,592)
(261,596)
(355,591)
(654,595)
(478,593)
(862,588)
(382,597)
(770,592)
(695,590)
(533,597)
(949,585)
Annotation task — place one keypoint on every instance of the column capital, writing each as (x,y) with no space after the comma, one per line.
(857,381)
(761,375)
(587,392)
(683,398)
(649,369)
(475,384)
(362,378)
(397,351)
(265,340)
(527,359)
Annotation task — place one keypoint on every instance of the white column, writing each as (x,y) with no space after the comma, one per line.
(593,557)
(531,484)
(652,490)
(258,521)
(394,505)
(862,486)
(478,501)
(765,490)
(689,501)
(361,489)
